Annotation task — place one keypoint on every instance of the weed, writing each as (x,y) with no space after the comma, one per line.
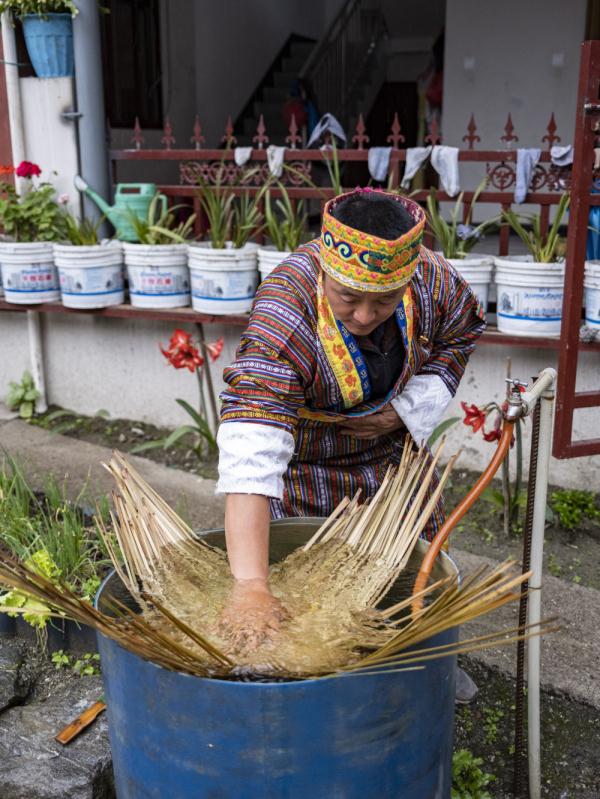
(490,723)
(572,506)
(554,566)
(23,396)
(88,665)
(468,780)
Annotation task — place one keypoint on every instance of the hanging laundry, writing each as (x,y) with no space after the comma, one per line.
(527,160)
(241,155)
(379,162)
(275,156)
(415,158)
(445,162)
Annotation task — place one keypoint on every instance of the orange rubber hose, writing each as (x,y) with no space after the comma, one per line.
(459,511)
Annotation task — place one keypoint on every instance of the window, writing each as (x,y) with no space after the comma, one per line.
(131,62)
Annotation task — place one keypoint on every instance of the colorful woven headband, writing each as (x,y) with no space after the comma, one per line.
(365,262)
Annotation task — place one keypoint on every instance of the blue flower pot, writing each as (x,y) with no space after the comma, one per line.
(49,43)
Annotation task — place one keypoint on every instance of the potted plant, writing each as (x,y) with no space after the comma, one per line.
(530,288)
(48,33)
(157,266)
(286,226)
(223,270)
(30,223)
(90,271)
(457,239)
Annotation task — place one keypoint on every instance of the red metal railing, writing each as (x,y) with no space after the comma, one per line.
(218,165)
(568,399)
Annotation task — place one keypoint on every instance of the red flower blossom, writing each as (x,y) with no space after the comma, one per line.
(27,170)
(181,352)
(215,348)
(6,169)
(495,434)
(474,416)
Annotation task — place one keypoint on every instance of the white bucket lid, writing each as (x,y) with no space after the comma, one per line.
(26,252)
(69,255)
(155,254)
(202,256)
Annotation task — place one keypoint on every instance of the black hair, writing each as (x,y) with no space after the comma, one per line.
(374,213)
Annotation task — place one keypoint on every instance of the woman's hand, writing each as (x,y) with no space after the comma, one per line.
(252,614)
(380,423)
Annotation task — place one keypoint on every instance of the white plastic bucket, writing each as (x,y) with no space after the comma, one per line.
(477,271)
(90,276)
(28,272)
(530,296)
(223,281)
(268,259)
(158,275)
(591,285)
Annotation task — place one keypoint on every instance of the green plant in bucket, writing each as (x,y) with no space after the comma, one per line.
(161,226)
(455,238)
(544,248)
(84,232)
(286,223)
(35,214)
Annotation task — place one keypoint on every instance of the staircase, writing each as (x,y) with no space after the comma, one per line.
(272,93)
(346,70)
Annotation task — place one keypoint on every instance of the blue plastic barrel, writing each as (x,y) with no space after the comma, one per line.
(49,42)
(387,736)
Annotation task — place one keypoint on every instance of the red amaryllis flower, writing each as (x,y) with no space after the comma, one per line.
(27,170)
(215,348)
(495,434)
(474,416)
(181,352)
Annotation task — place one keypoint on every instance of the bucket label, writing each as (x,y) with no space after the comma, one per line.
(95,280)
(541,304)
(158,281)
(592,306)
(30,277)
(224,285)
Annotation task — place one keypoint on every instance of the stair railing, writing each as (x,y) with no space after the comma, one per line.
(342,58)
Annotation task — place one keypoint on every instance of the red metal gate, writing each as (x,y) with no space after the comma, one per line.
(568,398)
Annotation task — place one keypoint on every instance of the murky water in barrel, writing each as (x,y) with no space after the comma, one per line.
(327,592)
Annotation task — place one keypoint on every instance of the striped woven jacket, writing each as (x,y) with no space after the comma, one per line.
(282,378)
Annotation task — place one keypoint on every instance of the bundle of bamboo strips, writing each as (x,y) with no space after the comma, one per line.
(331,586)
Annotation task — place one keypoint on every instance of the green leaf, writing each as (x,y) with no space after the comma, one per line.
(494,496)
(441,429)
(32,394)
(157,444)
(184,430)
(26,410)
(51,417)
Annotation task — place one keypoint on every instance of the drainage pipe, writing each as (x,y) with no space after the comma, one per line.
(546,381)
(17,143)
(93,151)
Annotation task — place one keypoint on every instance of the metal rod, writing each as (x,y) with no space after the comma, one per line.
(520,681)
(535,591)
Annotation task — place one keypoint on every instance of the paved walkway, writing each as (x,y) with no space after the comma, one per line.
(570,658)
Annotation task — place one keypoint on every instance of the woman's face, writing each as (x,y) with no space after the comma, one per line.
(360,311)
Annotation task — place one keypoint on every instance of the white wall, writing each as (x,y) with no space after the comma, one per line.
(116,364)
(50,140)
(513,44)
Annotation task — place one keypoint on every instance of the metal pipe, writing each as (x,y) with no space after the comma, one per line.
(36,357)
(459,511)
(17,143)
(93,151)
(535,583)
(13,94)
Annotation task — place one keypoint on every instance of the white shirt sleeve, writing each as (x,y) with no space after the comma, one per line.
(253,458)
(422,405)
